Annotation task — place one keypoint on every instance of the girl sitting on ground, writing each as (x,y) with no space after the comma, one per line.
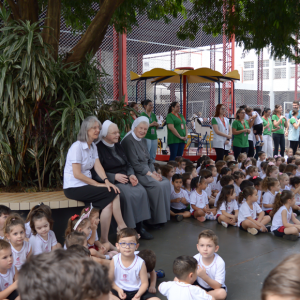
(257,184)
(246,164)
(251,218)
(283,214)
(251,171)
(272,171)
(271,186)
(291,168)
(227,207)
(239,177)
(242,157)
(284,181)
(263,167)
(224,171)
(209,180)
(295,188)
(186,180)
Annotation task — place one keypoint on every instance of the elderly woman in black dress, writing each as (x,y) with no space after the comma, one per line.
(158,188)
(82,157)
(134,200)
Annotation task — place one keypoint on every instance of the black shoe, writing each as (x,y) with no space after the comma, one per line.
(153,226)
(179,218)
(297,212)
(268,227)
(145,235)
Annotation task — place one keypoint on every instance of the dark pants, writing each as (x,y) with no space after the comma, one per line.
(294,146)
(251,149)
(238,150)
(176,150)
(278,140)
(220,153)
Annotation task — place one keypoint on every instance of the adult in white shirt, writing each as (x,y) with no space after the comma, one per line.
(222,132)
(79,185)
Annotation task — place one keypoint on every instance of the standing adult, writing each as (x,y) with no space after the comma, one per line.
(158,188)
(267,132)
(297,107)
(177,131)
(294,129)
(134,200)
(222,132)
(151,136)
(240,130)
(79,185)
(278,136)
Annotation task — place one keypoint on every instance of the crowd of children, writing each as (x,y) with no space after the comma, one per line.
(256,196)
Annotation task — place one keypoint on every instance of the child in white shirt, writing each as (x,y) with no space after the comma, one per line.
(211,267)
(4,213)
(15,234)
(181,165)
(283,214)
(251,218)
(182,288)
(261,158)
(257,181)
(127,270)
(257,125)
(272,187)
(209,180)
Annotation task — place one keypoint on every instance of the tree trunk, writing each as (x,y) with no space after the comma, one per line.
(94,35)
(29,10)
(51,35)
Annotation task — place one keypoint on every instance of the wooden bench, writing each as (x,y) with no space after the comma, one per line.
(25,201)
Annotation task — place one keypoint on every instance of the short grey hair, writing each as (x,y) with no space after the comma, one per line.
(86,125)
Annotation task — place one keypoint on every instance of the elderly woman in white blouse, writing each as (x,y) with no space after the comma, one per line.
(79,185)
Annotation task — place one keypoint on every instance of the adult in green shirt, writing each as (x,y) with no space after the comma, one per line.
(177,131)
(278,136)
(240,130)
(151,136)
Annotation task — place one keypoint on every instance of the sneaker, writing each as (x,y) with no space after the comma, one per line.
(252,231)
(179,218)
(290,237)
(261,144)
(224,224)
(268,227)
(160,273)
(210,216)
(257,144)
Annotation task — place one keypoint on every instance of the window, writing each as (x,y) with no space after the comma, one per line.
(265,63)
(280,73)
(249,64)
(265,74)
(293,71)
(248,75)
(280,62)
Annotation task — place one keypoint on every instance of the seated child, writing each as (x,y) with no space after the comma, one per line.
(233,166)
(157,168)
(229,158)
(52,277)
(257,184)
(45,208)
(279,160)
(253,161)
(227,207)
(271,186)
(4,213)
(211,267)
(239,177)
(272,171)
(185,270)
(251,171)
(43,239)
(149,258)
(199,200)
(127,270)
(241,158)
(224,171)
(8,273)
(225,180)
(200,161)
(289,153)
(181,165)
(220,164)
(263,166)
(297,163)
(80,250)
(243,185)
(291,160)
(214,174)
(15,234)
(261,158)
(173,163)
(291,168)
(179,199)
(76,238)
(284,181)
(246,164)
(295,188)
(209,180)
(186,182)
(192,170)
(251,218)
(168,171)
(282,215)
(282,167)
(288,274)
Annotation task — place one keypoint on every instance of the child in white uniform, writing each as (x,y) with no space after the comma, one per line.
(257,125)
(127,270)
(15,234)
(4,213)
(251,218)
(182,288)
(210,265)
(8,272)
(43,239)
(283,214)
(272,187)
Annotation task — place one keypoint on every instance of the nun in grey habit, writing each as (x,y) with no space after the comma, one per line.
(158,188)
(133,197)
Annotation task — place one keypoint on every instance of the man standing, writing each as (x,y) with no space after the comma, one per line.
(295,106)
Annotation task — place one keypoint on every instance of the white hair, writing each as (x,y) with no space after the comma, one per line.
(86,125)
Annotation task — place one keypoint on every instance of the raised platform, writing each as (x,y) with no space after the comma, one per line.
(25,201)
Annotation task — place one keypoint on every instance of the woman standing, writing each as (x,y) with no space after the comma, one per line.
(267,132)
(240,130)
(151,136)
(177,131)
(79,185)
(294,130)
(158,188)
(278,137)
(222,132)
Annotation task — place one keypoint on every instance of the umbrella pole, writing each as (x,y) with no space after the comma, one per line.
(145,90)
(154,97)
(219,92)
(180,94)
(184,97)
(187,98)
(136,91)
(233,98)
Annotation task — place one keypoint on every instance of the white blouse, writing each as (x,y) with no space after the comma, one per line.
(219,141)
(79,153)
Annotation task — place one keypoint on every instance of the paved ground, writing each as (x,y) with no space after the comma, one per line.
(248,258)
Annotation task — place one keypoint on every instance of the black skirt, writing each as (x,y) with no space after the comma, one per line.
(100,197)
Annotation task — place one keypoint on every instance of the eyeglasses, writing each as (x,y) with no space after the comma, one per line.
(242,112)
(129,245)
(223,108)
